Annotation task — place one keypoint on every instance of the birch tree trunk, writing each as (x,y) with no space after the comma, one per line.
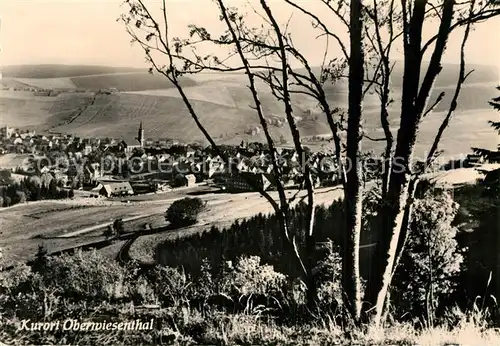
(354,178)
(414,102)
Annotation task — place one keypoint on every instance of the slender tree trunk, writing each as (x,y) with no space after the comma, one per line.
(413,105)
(405,228)
(283,213)
(310,243)
(310,251)
(386,167)
(354,187)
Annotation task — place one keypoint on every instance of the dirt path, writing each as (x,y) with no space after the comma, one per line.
(96,227)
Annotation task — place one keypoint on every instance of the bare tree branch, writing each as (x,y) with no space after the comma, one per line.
(323,26)
(435,104)
(462,76)
(310,243)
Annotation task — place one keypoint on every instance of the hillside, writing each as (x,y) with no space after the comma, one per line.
(59,71)
(120,114)
(24,110)
(223,103)
(65,77)
(126,81)
(447,77)
(167,116)
(68,77)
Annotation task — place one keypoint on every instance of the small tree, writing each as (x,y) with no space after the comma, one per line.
(119,226)
(432,259)
(184,212)
(41,258)
(53,189)
(109,232)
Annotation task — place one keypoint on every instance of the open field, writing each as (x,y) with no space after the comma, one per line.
(9,82)
(23,109)
(467,129)
(25,227)
(48,83)
(129,81)
(169,117)
(461,176)
(126,81)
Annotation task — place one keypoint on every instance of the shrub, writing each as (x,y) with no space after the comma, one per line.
(109,232)
(119,226)
(41,259)
(184,212)
(172,286)
(431,259)
(7,201)
(328,275)
(87,276)
(251,279)
(20,197)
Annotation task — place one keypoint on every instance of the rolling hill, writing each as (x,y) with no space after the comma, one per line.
(126,81)
(167,117)
(222,100)
(61,71)
(69,77)
(24,110)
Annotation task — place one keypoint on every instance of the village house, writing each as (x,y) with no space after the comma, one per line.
(92,173)
(163,157)
(245,182)
(182,180)
(116,189)
(87,150)
(215,166)
(6,132)
(190,153)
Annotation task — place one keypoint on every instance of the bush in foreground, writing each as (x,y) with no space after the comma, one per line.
(431,263)
(114,293)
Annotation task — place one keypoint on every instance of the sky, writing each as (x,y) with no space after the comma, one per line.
(86,32)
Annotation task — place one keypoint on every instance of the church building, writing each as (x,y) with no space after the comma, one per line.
(139,138)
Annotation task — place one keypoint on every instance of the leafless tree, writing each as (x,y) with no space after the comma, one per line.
(396,211)
(147,32)
(266,54)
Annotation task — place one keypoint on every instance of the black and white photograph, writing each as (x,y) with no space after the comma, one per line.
(250,172)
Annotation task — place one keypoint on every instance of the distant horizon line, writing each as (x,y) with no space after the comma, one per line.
(82,65)
(147,67)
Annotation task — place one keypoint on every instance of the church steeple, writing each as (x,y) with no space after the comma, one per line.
(140,135)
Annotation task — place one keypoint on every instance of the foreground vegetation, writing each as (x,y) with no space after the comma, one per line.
(245,303)
(228,287)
